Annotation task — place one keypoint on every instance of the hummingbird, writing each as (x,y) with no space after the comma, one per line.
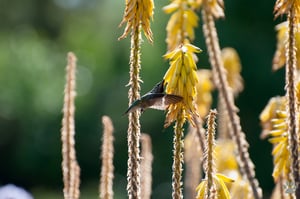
(155,99)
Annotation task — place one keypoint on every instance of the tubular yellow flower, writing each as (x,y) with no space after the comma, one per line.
(232,64)
(269,112)
(181,79)
(279,59)
(280,151)
(204,88)
(138,13)
(219,181)
(180,28)
(273,119)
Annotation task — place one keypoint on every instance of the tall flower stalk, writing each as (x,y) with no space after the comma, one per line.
(181,79)
(213,186)
(291,8)
(194,142)
(146,167)
(70,167)
(137,15)
(214,9)
(209,154)
(107,154)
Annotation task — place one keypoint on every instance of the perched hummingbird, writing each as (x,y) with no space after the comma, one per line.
(155,99)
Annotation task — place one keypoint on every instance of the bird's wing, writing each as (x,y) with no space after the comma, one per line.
(158,88)
(162,101)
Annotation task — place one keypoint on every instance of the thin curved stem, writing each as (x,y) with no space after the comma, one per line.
(212,42)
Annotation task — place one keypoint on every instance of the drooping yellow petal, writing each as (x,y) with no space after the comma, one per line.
(138,13)
(275,116)
(201,189)
(279,58)
(271,111)
(221,189)
(224,178)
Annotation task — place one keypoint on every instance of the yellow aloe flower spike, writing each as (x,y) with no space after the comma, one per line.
(138,13)
(273,119)
(280,54)
(184,20)
(204,88)
(292,9)
(275,104)
(181,79)
(232,64)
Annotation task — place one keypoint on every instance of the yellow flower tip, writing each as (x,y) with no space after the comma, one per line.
(224,178)
(138,13)
(171,7)
(233,67)
(284,6)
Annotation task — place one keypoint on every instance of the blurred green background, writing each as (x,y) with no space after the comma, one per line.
(35,37)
